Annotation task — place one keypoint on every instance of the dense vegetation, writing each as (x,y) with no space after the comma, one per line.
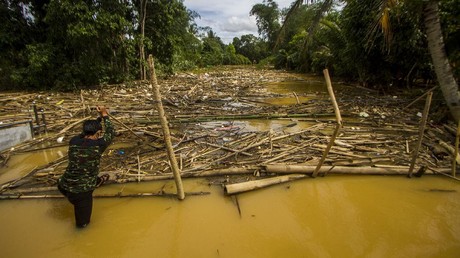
(68,44)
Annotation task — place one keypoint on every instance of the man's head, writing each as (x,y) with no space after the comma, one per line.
(91,127)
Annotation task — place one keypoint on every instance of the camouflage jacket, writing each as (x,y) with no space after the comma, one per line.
(84,158)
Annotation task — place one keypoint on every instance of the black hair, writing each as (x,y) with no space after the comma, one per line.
(91,127)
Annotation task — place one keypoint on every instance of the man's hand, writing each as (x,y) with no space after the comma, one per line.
(102,110)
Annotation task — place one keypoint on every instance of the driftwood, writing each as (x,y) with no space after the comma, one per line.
(451,150)
(305,169)
(118,195)
(257,184)
(198,106)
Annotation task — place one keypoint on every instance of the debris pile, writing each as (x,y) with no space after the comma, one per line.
(209,115)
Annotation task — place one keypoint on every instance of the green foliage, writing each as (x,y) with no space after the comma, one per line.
(281,59)
(68,44)
(232,58)
(376,63)
(14,35)
(212,52)
(85,45)
(266,62)
(169,26)
(255,49)
(350,44)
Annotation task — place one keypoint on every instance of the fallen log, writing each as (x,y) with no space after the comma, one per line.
(451,150)
(117,195)
(257,184)
(190,174)
(300,169)
(370,161)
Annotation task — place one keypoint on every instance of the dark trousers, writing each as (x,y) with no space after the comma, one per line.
(83,206)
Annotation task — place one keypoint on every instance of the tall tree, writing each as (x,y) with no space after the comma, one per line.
(251,47)
(212,52)
(441,63)
(142,16)
(169,29)
(16,32)
(267,18)
(88,41)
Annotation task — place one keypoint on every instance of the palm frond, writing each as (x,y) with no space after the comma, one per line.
(294,7)
(324,8)
(382,21)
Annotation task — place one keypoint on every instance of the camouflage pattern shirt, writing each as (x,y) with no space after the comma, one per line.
(84,158)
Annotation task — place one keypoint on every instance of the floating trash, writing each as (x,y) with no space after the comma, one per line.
(363,114)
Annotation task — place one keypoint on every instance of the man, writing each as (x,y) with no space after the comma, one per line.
(81,176)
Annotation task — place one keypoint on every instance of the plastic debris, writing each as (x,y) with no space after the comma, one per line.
(363,114)
(60,139)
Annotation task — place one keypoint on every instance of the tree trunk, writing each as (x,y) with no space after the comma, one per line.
(142,15)
(446,80)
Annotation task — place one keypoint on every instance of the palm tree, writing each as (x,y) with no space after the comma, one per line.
(443,70)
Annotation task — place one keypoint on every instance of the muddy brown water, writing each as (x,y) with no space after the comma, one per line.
(333,216)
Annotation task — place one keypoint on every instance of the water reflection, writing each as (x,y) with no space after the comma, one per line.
(313,85)
(21,164)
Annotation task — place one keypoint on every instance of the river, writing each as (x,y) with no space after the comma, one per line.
(333,216)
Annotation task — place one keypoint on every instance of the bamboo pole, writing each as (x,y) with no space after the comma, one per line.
(263,141)
(257,184)
(207,118)
(138,168)
(117,195)
(454,158)
(436,171)
(423,95)
(296,98)
(421,131)
(72,125)
(450,150)
(166,133)
(338,119)
(127,128)
(343,170)
(228,149)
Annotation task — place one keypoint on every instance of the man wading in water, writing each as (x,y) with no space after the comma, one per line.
(81,176)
